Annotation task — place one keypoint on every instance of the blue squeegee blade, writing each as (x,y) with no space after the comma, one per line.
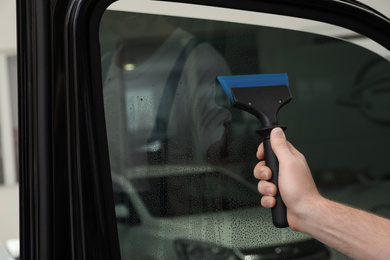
(256,80)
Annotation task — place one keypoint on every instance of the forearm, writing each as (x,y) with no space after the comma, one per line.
(353,232)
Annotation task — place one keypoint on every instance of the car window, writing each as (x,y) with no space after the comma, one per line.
(166,116)
(124,209)
(197,193)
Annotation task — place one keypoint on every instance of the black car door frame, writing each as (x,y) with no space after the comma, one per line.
(66,200)
(65,208)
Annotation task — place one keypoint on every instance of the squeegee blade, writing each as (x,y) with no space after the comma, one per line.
(256,80)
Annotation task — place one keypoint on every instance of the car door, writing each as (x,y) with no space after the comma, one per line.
(125,94)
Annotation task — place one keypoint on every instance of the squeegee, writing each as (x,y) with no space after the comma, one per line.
(262,95)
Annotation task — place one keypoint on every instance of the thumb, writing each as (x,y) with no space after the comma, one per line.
(279,144)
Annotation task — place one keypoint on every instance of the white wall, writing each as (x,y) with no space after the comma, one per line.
(8,26)
(9,212)
(382,6)
(9,195)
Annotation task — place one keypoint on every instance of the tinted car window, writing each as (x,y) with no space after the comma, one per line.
(165,111)
(194,194)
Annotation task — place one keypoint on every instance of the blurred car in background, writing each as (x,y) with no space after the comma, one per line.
(196,212)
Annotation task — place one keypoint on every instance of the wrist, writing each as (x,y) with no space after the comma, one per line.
(306,213)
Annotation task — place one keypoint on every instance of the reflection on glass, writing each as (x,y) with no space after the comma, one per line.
(198,212)
(166,117)
(194,194)
(159,88)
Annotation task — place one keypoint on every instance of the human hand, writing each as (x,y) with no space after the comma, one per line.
(296,185)
(366,237)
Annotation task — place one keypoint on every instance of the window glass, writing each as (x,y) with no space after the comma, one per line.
(192,194)
(183,157)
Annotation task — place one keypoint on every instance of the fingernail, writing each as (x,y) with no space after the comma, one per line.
(263,175)
(268,190)
(278,132)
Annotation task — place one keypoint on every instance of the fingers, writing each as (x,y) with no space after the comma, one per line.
(279,144)
(268,202)
(267,188)
(283,150)
(260,152)
(262,172)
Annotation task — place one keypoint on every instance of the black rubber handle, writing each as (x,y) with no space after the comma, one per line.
(279,212)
